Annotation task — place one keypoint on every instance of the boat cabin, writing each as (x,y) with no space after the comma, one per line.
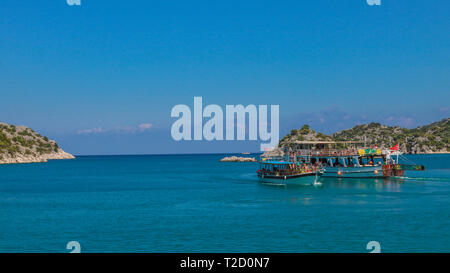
(286,168)
(334,154)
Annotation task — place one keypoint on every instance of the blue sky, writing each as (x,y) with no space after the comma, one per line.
(88,76)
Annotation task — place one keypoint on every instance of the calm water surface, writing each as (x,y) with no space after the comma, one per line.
(194,203)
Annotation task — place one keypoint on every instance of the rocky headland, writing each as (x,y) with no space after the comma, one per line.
(20,144)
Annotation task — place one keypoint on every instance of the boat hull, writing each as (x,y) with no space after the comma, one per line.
(354,172)
(300,179)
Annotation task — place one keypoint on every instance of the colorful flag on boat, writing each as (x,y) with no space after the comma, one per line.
(395,148)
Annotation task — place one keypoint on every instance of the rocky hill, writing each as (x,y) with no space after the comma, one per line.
(20,144)
(432,138)
(303,134)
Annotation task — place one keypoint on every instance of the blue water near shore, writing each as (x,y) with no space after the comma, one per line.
(194,203)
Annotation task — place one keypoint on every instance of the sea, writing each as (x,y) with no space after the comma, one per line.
(194,203)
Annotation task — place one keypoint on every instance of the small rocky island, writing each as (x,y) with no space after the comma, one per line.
(238,159)
(20,144)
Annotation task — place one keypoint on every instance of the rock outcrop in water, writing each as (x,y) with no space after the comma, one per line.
(431,138)
(20,144)
(238,159)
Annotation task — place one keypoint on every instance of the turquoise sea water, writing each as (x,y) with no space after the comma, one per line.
(194,203)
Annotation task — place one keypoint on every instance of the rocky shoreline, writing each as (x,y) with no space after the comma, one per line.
(238,159)
(36,159)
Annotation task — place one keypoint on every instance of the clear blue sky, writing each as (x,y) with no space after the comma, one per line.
(88,76)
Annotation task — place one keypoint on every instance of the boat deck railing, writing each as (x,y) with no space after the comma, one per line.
(289,155)
(292,171)
(326,152)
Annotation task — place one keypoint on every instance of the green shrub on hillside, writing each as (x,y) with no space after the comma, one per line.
(304,130)
(435,136)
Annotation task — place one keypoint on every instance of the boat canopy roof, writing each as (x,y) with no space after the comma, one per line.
(327,142)
(278,162)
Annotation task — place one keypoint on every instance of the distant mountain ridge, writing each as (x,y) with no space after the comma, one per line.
(431,138)
(20,144)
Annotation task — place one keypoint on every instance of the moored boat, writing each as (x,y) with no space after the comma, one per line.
(346,160)
(280,172)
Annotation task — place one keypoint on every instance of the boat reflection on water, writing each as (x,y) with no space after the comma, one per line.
(384,184)
(351,183)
